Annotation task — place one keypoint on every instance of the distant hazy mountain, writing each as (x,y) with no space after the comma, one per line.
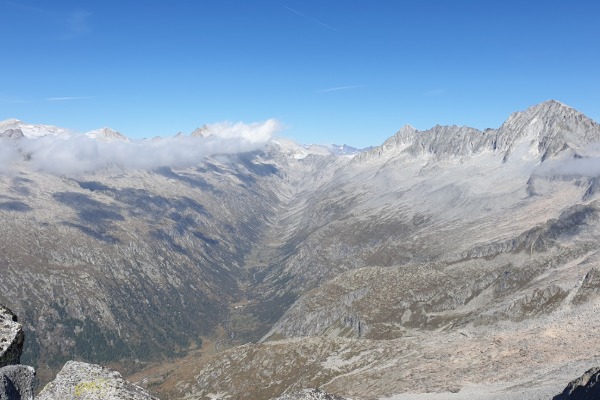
(345,150)
(437,260)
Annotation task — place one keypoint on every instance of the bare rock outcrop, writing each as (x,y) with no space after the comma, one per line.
(82,381)
(586,387)
(16,382)
(11,338)
(12,134)
(310,394)
(547,128)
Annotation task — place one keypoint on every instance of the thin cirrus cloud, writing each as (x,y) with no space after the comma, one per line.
(308,17)
(340,88)
(77,155)
(69,98)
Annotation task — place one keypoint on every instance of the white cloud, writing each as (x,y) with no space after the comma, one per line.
(253,133)
(588,165)
(9,154)
(69,98)
(338,88)
(78,154)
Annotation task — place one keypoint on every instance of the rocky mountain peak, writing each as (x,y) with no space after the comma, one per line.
(546,129)
(9,123)
(404,136)
(31,130)
(203,131)
(440,141)
(549,113)
(540,132)
(106,135)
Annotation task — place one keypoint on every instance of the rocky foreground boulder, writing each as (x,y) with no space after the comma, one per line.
(586,387)
(11,338)
(82,381)
(16,382)
(310,394)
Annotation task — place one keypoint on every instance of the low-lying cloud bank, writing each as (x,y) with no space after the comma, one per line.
(79,154)
(589,167)
(587,164)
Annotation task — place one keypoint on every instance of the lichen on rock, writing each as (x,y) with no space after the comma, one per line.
(82,381)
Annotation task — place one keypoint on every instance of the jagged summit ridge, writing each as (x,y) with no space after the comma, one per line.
(30,130)
(541,131)
(202,131)
(548,127)
(106,135)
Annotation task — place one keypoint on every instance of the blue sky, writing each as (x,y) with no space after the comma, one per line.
(330,71)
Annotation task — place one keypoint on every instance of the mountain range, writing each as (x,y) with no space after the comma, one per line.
(448,262)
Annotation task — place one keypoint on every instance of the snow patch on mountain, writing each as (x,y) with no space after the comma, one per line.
(106,135)
(31,130)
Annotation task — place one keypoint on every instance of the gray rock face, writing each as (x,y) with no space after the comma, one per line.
(203,131)
(12,134)
(590,287)
(16,382)
(106,135)
(310,394)
(547,128)
(586,387)
(81,381)
(11,338)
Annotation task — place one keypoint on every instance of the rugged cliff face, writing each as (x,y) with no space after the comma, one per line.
(586,387)
(11,338)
